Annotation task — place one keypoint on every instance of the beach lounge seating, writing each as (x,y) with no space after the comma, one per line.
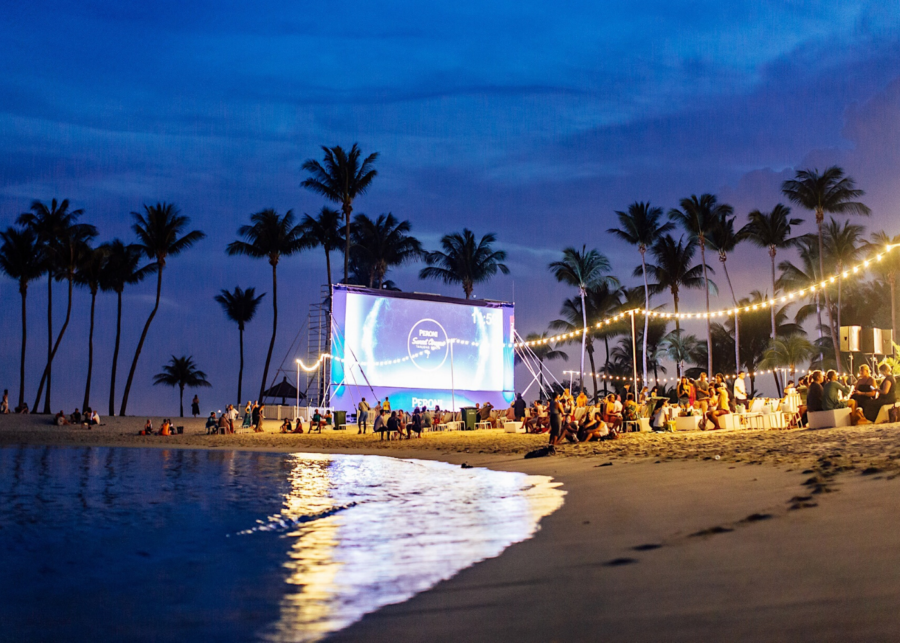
(514,427)
(829,419)
(687,423)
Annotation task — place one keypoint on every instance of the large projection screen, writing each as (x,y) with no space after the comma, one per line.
(419,350)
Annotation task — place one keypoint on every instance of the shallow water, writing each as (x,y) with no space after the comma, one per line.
(117,544)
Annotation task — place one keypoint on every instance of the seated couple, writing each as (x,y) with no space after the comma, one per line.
(286,426)
(165,428)
(591,428)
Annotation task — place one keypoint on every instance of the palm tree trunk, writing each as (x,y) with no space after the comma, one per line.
(892,282)
(583,337)
(46,375)
(737,332)
(347,210)
(262,387)
(87,387)
(181,401)
(709,361)
(115,360)
(772,314)
(840,284)
(646,313)
(593,368)
(241,368)
(677,329)
(140,346)
(328,270)
(820,217)
(49,336)
(606,366)
(24,291)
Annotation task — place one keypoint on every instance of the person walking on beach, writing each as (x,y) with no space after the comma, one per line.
(363,416)
(4,405)
(555,420)
(195,406)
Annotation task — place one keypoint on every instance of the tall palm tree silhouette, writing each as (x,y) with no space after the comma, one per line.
(240,307)
(341,177)
(269,236)
(21,259)
(831,192)
(160,233)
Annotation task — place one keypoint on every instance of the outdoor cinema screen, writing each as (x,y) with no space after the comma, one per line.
(420,350)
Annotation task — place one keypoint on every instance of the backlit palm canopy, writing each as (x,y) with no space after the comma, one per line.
(831,192)
(697,215)
(383,243)
(582,269)
(269,236)
(324,231)
(641,226)
(340,178)
(181,372)
(240,307)
(464,260)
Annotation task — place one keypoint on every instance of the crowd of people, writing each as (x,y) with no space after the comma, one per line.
(862,394)
(88,419)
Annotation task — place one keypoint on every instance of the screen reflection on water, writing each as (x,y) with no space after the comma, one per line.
(169,544)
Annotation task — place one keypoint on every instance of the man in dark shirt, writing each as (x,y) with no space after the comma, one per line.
(519,408)
(393,424)
(815,395)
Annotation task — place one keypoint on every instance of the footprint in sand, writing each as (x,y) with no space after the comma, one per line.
(619,562)
(647,547)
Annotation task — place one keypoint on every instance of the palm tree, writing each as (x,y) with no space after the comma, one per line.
(696,217)
(90,270)
(673,270)
(340,179)
(544,352)
(323,231)
(383,244)
(787,352)
(771,230)
(842,246)
(121,269)
(888,268)
(240,307)
(801,276)
(724,239)
(680,348)
(583,270)
(569,322)
(830,192)
(604,301)
(181,372)
(21,259)
(270,236)
(160,233)
(59,233)
(640,226)
(464,260)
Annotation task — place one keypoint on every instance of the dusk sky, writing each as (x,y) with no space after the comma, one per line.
(532,120)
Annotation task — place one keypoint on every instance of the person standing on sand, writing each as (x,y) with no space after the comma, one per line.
(254,416)
(740,390)
(195,406)
(702,392)
(261,415)
(362,418)
(519,408)
(387,405)
(555,420)
(4,405)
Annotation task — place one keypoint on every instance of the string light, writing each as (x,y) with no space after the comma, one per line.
(800,292)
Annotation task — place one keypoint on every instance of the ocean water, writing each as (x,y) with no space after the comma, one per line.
(124,544)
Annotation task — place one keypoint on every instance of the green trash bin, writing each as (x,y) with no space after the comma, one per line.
(469,417)
(340,417)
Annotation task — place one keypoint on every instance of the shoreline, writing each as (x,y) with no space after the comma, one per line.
(786,536)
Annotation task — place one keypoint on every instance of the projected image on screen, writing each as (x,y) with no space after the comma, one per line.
(397,342)
(421,350)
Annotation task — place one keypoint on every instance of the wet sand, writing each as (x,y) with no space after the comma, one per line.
(786,536)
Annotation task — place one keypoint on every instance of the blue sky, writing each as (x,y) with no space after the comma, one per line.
(532,120)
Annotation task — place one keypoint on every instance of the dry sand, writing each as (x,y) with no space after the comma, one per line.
(787,536)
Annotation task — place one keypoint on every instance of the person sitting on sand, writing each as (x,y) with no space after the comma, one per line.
(833,389)
(722,406)
(166,428)
(148,428)
(427,419)
(393,425)
(22,410)
(659,421)
(613,419)
(593,428)
(75,418)
(212,425)
(286,426)
(94,418)
(415,424)
(60,419)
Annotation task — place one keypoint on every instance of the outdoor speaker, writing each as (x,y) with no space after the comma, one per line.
(850,339)
(877,341)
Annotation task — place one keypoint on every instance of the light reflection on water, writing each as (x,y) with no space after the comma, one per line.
(237,545)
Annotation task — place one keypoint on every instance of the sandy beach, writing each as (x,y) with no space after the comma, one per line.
(752,535)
